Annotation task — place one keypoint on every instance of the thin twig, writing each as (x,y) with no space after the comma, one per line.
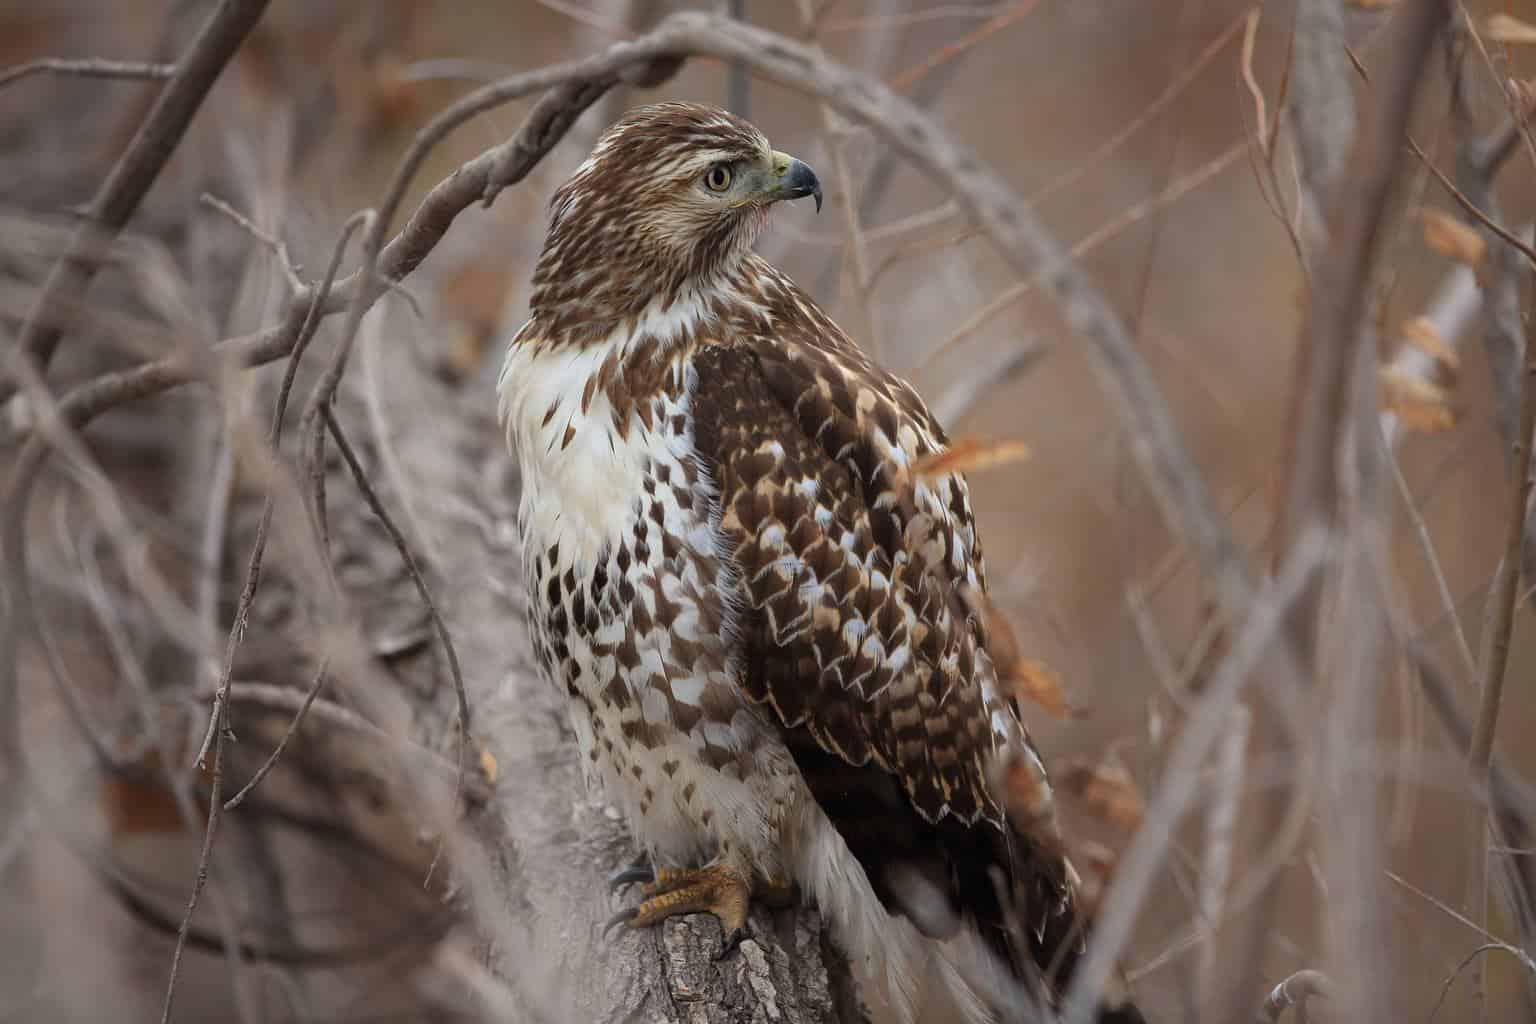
(1138,867)
(1341,249)
(1504,234)
(1487,947)
(1171,92)
(1295,991)
(1507,586)
(282,744)
(219,728)
(1137,212)
(91,67)
(910,77)
(1245,66)
(1441,906)
(360,477)
(277,245)
(291,700)
(137,169)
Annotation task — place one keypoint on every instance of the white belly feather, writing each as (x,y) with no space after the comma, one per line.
(585,486)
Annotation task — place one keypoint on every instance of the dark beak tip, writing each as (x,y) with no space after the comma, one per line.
(800,181)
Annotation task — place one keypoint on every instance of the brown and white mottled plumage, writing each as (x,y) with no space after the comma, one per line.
(754,606)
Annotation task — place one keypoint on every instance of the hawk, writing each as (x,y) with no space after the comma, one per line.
(761,617)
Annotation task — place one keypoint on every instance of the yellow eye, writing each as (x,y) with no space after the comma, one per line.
(718,178)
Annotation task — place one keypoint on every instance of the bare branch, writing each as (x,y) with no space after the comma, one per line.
(136,170)
(219,727)
(282,744)
(91,67)
(1336,351)
(1295,991)
(1507,585)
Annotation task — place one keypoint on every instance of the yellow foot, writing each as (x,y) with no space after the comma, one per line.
(717,889)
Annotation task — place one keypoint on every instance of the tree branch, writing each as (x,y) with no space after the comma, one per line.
(133,174)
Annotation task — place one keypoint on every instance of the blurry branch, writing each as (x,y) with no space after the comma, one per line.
(1295,991)
(1487,947)
(1446,910)
(857,246)
(584,15)
(1487,222)
(286,698)
(1323,111)
(134,172)
(1511,800)
(88,68)
(132,670)
(1339,243)
(1172,91)
(1507,581)
(886,22)
(1176,189)
(1245,69)
(945,54)
(738,83)
(376,506)
(278,247)
(1220,830)
(872,189)
(282,744)
(1477,164)
(220,731)
(989,371)
(1182,775)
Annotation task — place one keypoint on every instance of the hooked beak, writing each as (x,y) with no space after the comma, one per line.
(794,179)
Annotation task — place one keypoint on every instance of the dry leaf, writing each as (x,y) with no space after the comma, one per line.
(138,802)
(1417,403)
(1422,335)
(1106,790)
(1096,860)
(1002,645)
(1372,5)
(1525,92)
(474,296)
(1026,797)
(1502,28)
(1038,682)
(968,454)
(1024,677)
(1097,864)
(1450,236)
(488,766)
(1026,794)
(134,807)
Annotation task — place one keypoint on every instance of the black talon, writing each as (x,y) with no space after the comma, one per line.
(638,872)
(732,941)
(621,917)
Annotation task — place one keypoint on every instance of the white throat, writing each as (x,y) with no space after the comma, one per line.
(582,476)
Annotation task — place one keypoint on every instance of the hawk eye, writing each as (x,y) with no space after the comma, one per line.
(718,178)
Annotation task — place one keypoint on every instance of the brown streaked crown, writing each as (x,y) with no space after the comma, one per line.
(635,222)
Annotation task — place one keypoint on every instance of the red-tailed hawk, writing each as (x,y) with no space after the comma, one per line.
(757,611)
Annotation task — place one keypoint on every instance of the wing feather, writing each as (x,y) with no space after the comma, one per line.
(851,569)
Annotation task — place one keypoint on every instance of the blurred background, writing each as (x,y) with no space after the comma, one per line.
(1131,126)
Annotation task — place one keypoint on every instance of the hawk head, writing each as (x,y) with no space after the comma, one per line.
(673,196)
